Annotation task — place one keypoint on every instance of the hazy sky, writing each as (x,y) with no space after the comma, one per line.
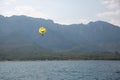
(64,11)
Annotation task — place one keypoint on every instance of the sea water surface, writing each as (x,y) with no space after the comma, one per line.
(60,70)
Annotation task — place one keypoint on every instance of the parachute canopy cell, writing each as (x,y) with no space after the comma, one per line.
(42,30)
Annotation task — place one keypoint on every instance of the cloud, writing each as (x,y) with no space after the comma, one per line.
(30,11)
(10,7)
(85,21)
(112,14)
(72,21)
(9,2)
(112,4)
(23,10)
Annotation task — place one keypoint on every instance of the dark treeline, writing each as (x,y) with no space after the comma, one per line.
(47,55)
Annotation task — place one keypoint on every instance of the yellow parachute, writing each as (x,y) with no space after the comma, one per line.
(42,30)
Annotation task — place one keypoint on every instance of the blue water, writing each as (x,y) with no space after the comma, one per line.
(60,70)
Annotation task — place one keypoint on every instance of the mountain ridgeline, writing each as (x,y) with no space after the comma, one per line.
(20,40)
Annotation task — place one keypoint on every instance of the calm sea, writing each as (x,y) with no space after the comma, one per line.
(60,70)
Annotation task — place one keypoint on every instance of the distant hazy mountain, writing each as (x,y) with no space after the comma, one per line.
(20,33)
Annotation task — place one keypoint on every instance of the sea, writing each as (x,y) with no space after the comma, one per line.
(60,70)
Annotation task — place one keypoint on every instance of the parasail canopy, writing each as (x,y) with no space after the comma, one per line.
(42,30)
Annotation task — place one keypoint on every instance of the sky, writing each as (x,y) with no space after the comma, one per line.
(64,11)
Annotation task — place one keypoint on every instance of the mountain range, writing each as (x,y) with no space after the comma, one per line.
(20,34)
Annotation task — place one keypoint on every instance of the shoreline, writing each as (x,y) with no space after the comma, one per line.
(52,60)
